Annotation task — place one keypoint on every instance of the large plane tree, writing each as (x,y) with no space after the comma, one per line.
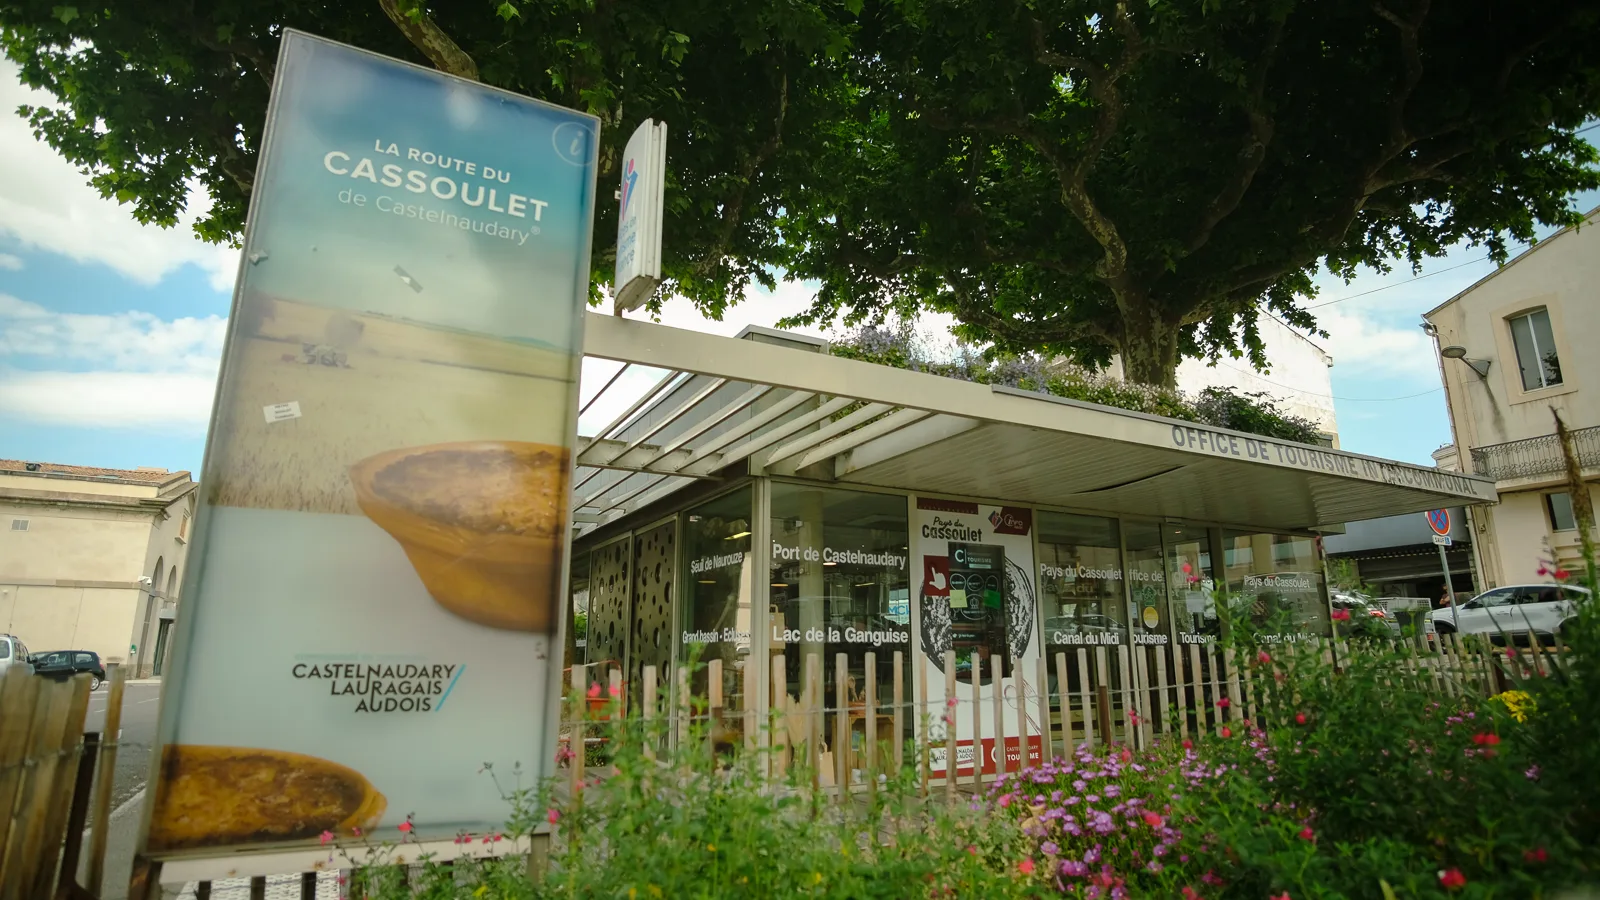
(158,95)
(1145,177)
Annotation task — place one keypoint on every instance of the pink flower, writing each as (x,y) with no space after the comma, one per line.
(1452,879)
(1224,703)
(1531,773)
(1152,819)
(1282,896)
(594,690)
(1005,800)
(951,702)
(1190,893)
(1299,718)
(1263,657)
(405,827)
(327,836)
(356,831)
(1127,756)
(553,815)
(1510,653)
(1306,834)
(1341,615)
(1227,732)
(1025,867)
(614,690)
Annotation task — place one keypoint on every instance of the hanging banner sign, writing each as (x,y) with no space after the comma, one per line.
(372,612)
(640,200)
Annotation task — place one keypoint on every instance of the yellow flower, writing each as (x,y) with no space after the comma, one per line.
(482,889)
(633,893)
(711,848)
(816,877)
(654,891)
(1518,703)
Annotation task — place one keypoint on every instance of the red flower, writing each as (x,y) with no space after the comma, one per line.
(1188,744)
(1227,732)
(1152,819)
(1190,893)
(553,815)
(405,827)
(1299,718)
(1025,867)
(1306,834)
(1536,856)
(1127,756)
(1263,657)
(1224,703)
(594,690)
(1510,653)
(1282,896)
(1452,879)
(327,836)
(1341,615)
(1562,574)
(1486,737)
(614,690)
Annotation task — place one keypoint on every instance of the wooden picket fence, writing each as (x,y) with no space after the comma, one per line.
(47,784)
(1089,696)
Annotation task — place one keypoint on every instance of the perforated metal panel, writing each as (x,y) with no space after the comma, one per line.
(610,570)
(651,632)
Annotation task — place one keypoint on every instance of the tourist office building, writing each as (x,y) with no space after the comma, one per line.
(764,499)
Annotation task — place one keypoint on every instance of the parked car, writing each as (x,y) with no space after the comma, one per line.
(64,664)
(1358,604)
(13,652)
(1544,609)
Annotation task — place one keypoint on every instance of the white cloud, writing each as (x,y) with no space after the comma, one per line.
(124,342)
(52,207)
(147,372)
(1363,342)
(8,261)
(110,399)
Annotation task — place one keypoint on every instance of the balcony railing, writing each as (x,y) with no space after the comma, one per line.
(1533,457)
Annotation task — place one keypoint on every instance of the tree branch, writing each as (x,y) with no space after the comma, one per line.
(1253,152)
(733,210)
(1073,177)
(427,36)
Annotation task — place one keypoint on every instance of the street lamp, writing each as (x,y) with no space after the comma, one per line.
(1456,351)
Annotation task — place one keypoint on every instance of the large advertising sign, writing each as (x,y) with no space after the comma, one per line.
(372,612)
(977,597)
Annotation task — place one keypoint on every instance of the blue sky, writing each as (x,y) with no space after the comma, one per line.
(110,331)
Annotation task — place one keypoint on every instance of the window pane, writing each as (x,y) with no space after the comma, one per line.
(1080,579)
(716,611)
(1527,356)
(5,649)
(1189,582)
(1545,340)
(1561,516)
(1279,579)
(841,585)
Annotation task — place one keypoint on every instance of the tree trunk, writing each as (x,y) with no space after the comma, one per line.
(1149,353)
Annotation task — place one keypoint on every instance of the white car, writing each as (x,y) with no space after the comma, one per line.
(13,652)
(1516,609)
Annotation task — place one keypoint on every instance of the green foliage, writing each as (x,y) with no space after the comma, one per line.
(1221,407)
(155,95)
(1089,178)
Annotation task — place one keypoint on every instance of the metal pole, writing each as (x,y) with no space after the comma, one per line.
(1444,564)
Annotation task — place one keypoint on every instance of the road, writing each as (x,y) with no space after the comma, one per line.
(140,704)
(139,707)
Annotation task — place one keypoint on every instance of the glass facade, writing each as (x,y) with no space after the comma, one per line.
(1080,581)
(715,610)
(1190,581)
(1277,580)
(840,584)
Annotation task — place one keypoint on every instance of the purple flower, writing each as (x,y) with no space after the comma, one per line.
(1050,848)
(1079,784)
(1532,773)
(1074,868)
(1092,855)
(1154,865)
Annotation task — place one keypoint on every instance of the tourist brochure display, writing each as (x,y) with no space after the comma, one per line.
(977,598)
(371,618)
